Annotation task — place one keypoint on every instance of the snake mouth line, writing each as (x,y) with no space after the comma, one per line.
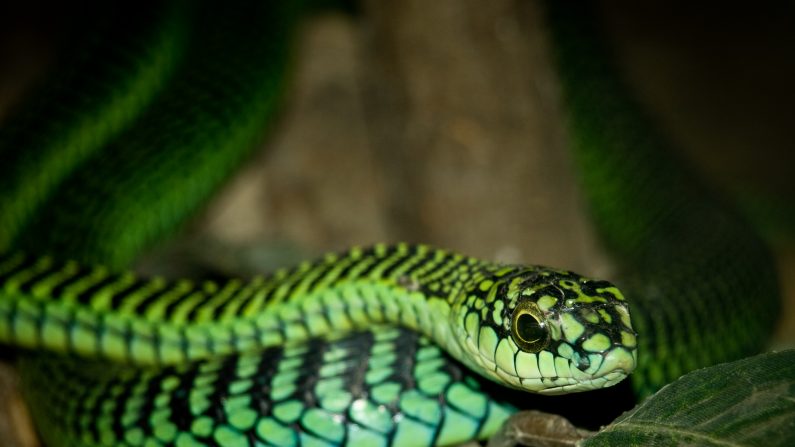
(596,383)
(605,370)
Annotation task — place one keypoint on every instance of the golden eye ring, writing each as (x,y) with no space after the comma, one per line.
(528,328)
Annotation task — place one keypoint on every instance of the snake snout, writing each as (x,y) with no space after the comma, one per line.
(618,360)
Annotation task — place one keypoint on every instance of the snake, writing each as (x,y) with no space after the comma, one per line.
(383,345)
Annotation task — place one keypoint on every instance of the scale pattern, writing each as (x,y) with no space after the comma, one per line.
(383,387)
(86,105)
(93,311)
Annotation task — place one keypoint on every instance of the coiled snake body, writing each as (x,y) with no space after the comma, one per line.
(312,355)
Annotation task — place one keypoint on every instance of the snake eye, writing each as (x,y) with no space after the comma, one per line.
(529,331)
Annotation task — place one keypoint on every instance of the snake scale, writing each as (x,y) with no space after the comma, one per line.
(377,346)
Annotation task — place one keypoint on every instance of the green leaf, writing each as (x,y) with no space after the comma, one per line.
(749,402)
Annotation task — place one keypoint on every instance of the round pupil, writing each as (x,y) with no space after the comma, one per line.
(528,328)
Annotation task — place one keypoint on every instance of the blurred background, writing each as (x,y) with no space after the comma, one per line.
(441,122)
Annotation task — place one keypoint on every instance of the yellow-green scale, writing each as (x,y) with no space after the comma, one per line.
(333,298)
(350,300)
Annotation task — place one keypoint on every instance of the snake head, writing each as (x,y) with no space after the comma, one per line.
(548,331)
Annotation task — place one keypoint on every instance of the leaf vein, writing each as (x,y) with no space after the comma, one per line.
(652,428)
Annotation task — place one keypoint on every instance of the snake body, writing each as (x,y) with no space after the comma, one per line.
(531,328)
(702,284)
(301,356)
(325,392)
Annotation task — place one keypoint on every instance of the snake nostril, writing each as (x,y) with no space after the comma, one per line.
(583,363)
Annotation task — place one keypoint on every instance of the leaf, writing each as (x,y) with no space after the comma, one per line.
(749,402)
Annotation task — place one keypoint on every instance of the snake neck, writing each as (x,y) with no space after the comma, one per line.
(413,286)
(96,313)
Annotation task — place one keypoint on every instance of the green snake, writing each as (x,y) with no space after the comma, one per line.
(371,346)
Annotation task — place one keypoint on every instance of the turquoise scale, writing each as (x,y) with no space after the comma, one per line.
(229,401)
